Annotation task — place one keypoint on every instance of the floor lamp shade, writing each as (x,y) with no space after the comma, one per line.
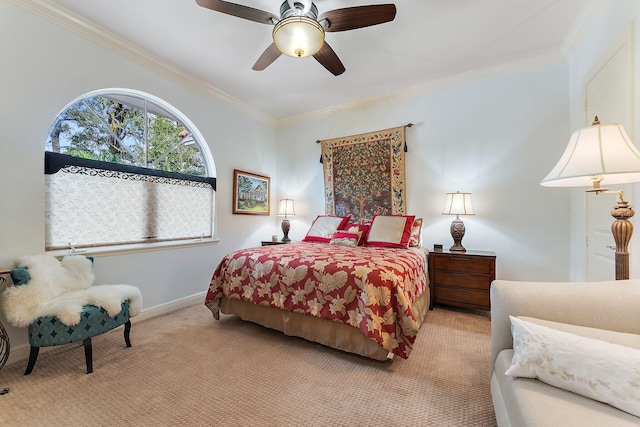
(602,153)
(458,204)
(286,209)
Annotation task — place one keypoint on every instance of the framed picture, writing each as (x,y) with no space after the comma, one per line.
(251,193)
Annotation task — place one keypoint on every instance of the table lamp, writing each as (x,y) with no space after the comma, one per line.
(602,153)
(286,209)
(458,204)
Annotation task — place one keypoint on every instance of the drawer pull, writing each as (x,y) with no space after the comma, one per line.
(460,274)
(459,259)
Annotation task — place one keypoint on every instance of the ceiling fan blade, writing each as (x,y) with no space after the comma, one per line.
(240,11)
(329,60)
(269,55)
(351,18)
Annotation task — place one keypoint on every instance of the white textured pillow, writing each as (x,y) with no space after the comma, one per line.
(602,371)
(613,337)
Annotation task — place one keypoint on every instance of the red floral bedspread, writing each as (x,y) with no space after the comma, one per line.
(371,289)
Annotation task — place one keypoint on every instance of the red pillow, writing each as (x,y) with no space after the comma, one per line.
(343,238)
(324,226)
(416,230)
(391,231)
(361,229)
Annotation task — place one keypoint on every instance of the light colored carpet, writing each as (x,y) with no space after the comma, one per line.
(186,369)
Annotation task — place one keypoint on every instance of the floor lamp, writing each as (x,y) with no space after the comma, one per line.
(602,153)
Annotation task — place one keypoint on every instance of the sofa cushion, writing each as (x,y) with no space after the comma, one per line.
(606,372)
(532,403)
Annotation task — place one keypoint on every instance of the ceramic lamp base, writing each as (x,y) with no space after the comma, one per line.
(285,229)
(457,232)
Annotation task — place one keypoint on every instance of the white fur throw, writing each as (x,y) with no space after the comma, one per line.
(61,289)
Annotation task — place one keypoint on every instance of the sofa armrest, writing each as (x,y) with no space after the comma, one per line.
(612,305)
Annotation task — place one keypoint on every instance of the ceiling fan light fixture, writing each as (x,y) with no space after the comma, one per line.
(298,36)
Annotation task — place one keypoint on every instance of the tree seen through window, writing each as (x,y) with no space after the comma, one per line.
(106,128)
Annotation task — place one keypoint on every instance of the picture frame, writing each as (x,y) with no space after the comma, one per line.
(251,193)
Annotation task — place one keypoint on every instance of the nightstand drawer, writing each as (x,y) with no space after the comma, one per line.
(468,264)
(462,280)
(463,297)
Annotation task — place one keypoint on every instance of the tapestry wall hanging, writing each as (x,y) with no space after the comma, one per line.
(364,174)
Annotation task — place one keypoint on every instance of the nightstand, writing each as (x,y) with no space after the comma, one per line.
(271,243)
(462,279)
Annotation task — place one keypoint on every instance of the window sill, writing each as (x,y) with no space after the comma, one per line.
(140,247)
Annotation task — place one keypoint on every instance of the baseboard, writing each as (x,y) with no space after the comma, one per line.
(161,309)
(21,353)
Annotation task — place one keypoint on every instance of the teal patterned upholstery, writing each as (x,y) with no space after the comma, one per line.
(49,331)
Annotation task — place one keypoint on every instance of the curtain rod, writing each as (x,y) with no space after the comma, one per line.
(408,125)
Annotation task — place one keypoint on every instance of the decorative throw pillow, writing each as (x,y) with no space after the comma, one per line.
(596,369)
(613,337)
(361,229)
(391,231)
(416,230)
(324,226)
(343,238)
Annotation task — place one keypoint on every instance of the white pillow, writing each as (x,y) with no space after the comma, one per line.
(392,231)
(602,371)
(613,337)
(324,226)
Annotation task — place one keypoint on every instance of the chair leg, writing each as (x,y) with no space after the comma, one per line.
(88,354)
(127,331)
(33,356)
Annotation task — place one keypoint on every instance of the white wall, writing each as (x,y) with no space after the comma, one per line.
(496,139)
(615,23)
(44,67)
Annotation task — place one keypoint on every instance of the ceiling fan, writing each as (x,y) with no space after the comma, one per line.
(299,31)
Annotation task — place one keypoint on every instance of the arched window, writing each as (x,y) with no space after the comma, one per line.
(123,167)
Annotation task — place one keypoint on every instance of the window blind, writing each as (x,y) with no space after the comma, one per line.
(91,203)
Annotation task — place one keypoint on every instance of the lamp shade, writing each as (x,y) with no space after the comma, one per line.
(298,36)
(602,152)
(286,208)
(458,204)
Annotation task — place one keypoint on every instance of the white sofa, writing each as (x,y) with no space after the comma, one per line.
(519,402)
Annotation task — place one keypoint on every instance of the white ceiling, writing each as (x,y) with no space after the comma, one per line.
(428,40)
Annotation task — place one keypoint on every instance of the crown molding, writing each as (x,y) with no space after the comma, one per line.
(583,23)
(91,31)
(542,60)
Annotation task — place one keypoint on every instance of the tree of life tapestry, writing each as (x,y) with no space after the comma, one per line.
(364,174)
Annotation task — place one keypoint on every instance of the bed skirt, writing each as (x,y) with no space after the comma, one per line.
(327,332)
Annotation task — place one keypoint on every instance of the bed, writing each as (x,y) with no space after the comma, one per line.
(368,300)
